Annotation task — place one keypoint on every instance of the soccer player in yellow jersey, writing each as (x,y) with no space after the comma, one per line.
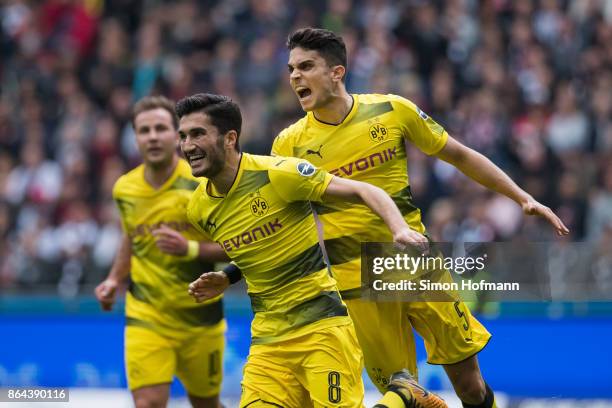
(362,137)
(166,334)
(304,352)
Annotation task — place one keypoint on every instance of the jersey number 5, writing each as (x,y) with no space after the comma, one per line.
(466,326)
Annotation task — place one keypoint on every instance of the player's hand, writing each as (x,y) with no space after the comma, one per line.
(408,237)
(170,241)
(208,286)
(533,207)
(106,293)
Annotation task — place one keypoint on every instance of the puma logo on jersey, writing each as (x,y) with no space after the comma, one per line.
(365,163)
(317,152)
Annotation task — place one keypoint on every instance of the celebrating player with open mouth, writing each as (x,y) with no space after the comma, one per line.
(362,137)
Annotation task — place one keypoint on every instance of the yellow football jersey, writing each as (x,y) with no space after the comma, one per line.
(369,145)
(266,226)
(157,295)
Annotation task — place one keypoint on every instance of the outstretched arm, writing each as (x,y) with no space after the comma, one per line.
(483,171)
(379,202)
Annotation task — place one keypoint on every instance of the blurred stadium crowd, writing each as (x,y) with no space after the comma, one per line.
(527,83)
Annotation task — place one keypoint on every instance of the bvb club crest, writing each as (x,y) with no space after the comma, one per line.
(378,132)
(259,206)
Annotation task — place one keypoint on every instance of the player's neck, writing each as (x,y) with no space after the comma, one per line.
(156,176)
(336,109)
(224,180)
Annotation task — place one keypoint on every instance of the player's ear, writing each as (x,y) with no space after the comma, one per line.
(338,73)
(230,139)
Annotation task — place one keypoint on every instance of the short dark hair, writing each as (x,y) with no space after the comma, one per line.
(325,42)
(154,102)
(223,112)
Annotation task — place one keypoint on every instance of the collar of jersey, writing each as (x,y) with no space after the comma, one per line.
(346,119)
(209,184)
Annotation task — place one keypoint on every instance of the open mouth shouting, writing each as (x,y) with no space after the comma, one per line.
(303,93)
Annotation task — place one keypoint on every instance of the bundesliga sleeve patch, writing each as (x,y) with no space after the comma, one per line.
(306,169)
(422,114)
